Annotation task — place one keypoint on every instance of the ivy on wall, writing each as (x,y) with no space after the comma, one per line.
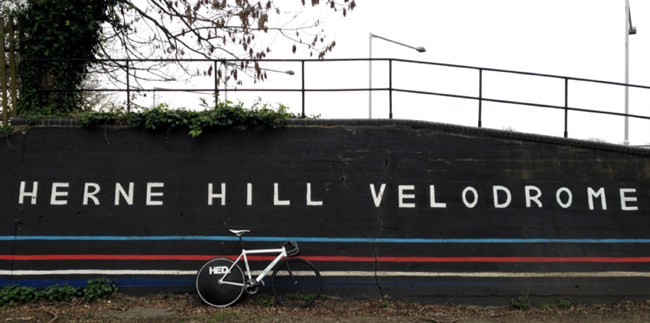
(163,118)
(56,29)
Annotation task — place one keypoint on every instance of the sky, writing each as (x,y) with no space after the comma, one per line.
(576,38)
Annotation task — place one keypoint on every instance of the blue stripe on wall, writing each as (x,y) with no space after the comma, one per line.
(314,239)
(327,283)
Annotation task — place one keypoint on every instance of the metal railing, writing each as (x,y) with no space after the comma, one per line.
(126,63)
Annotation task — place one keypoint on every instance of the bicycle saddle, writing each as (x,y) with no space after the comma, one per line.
(239,233)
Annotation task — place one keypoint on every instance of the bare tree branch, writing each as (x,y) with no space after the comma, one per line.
(212,29)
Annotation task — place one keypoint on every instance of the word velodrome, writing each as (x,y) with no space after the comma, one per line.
(502,197)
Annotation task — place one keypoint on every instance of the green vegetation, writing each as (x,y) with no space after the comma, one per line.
(522,303)
(163,118)
(264,301)
(97,288)
(6,130)
(224,316)
(564,303)
(59,40)
(56,30)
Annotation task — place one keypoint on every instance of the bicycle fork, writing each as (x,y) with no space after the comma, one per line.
(295,282)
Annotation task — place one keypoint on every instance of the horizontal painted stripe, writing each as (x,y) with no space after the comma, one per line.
(143,273)
(359,285)
(335,258)
(315,239)
(83,282)
(328,283)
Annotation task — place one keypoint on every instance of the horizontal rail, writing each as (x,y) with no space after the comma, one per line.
(521,103)
(126,64)
(570,78)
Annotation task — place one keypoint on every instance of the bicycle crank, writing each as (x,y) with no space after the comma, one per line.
(253,286)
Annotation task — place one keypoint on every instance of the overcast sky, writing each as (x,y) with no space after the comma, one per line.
(577,38)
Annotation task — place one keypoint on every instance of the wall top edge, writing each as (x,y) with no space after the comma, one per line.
(418,124)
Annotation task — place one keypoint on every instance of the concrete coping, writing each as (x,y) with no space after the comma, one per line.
(472,131)
(72,122)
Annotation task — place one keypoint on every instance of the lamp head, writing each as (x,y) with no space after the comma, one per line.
(632,31)
(422,50)
(289,72)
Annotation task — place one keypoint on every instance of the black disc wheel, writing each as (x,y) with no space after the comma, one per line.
(218,294)
(296,285)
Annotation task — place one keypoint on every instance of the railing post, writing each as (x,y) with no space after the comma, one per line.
(566,107)
(38,83)
(128,89)
(303,87)
(480,97)
(216,85)
(12,65)
(390,89)
(3,78)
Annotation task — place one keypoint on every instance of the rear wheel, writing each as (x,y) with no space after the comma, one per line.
(296,285)
(208,287)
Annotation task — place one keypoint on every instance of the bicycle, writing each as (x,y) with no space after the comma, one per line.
(295,282)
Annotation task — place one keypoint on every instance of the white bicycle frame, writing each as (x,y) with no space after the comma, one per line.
(244,252)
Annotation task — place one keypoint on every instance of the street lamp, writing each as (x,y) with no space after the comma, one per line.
(225,84)
(629,30)
(419,49)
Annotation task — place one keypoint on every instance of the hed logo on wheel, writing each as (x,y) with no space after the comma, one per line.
(219,270)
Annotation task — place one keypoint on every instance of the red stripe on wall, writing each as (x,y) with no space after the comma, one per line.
(332,258)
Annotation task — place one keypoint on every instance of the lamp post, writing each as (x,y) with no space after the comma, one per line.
(629,30)
(419,49)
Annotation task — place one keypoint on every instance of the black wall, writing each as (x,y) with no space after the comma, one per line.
(400,244)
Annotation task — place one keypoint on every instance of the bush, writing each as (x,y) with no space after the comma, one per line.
(97,288)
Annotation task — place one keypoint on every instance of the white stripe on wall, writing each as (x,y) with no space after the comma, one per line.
(612,274)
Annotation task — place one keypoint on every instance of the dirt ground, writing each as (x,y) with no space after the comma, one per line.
(261,308)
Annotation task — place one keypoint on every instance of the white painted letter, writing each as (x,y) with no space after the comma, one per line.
(31,194)
(91,195)
(151,194)
(601,193)
(495,193)
(402,196)
(559,200)
(377,197)
(534,198)
(470,189)
(119,190)
(212,195)
(249,194)
(56,193)
(625,199)
(309,201)
(432,193)
(276,196)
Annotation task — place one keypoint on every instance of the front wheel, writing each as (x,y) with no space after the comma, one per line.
(208,287)
(296,285)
